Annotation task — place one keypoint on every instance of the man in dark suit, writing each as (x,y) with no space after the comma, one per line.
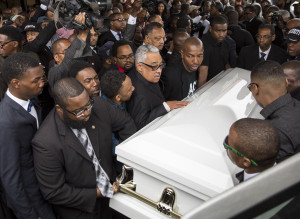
(74,162)
(117,26)
(147,102)
(252,144)
(265,50)
(252,22)
(19,121)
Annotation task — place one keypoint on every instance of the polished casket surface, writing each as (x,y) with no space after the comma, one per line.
(183,149)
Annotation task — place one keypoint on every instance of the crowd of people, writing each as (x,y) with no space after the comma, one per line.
(69,96)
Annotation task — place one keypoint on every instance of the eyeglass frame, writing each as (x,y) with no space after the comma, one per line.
(125,58)
(81,112)
(154,68)
(226,146)
(3,44)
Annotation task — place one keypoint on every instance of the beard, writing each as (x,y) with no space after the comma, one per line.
(75,124)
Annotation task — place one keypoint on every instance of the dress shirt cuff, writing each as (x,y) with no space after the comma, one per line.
(166,107)
(169,52)
(131,20)
(44,7)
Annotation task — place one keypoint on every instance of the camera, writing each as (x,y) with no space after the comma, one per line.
(196,27)
(275,16)
(68,9)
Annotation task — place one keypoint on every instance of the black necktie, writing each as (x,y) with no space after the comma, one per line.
(262,58)
(31,102)
(120,36)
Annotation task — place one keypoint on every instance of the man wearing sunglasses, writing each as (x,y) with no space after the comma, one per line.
(117,26)
(147,102)
(269,88)
(73,152)
(253,145)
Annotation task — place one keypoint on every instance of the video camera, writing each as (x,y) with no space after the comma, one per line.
(68,9)
(275,16)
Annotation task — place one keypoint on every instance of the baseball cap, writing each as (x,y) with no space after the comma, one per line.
(105,50)
(294,34)
(14,17)
(31,27)
(42,19)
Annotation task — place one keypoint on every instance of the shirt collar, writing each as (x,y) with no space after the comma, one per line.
(275,105)
(249,175)
(116,35)
(123,106)
(23,103)
(266,52)
(120,69)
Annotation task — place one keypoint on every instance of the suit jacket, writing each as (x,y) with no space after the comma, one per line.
(105,37)
(146,102)
(249,56)
(64,169)
(17,173)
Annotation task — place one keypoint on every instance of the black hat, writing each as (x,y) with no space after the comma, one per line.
(31,27)
(294,34)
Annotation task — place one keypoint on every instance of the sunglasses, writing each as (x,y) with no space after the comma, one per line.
(226,146)
(155,67)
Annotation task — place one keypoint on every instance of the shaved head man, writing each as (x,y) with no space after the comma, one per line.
(291,71)
(180,77)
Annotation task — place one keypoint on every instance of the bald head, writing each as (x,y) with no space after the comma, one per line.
(291,71)
(179,39)
(192,41)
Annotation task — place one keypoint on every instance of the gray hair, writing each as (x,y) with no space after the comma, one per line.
(141,52)
(285,15)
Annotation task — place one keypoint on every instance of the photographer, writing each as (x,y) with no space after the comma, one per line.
(78,48)
(200,24)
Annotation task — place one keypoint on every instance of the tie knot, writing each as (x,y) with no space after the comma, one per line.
(263,54)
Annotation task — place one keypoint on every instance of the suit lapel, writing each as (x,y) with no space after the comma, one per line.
(70,139)
(15,106)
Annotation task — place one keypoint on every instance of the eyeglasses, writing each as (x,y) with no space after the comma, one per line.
(250,85)
(125,58)
(155,67)
(3,44)
(226,146)
(62,53)
(265,37)
(119,19)
(80,113)
(248,12)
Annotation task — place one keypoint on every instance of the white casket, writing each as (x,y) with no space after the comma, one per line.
(183,150)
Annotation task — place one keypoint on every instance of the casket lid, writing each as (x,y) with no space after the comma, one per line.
(185,147)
